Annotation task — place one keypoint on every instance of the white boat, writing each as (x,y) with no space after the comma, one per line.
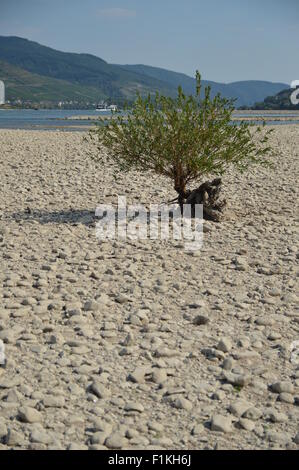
(112,107)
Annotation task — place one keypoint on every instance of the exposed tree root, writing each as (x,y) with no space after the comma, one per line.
(207,194)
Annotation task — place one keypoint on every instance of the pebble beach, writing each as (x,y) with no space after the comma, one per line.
(139,344)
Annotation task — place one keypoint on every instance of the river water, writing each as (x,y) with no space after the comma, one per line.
(61,119)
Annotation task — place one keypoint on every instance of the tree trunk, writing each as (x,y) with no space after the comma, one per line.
(180,188)
(207,194)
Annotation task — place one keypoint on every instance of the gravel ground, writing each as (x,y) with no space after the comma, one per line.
(141,344)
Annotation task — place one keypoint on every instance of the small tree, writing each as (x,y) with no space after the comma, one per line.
(184,139)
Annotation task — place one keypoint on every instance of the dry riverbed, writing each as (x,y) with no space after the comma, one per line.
(140,344)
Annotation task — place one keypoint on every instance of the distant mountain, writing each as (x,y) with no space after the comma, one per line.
(174,79)
(246,92)
(80,69)
(58,76)
(280,101)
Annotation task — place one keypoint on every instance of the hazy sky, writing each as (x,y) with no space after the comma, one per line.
(228,40)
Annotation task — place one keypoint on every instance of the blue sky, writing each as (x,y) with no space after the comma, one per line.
(227,40)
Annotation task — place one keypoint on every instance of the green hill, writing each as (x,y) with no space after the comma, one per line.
(280,101)
(80,69)
(23,85)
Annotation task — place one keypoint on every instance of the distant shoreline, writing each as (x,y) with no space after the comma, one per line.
(237,116)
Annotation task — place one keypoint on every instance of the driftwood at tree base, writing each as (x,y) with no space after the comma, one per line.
(207,194)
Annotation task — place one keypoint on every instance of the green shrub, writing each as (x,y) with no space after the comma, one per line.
(185,139)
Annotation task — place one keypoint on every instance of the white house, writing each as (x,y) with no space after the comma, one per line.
(2,92)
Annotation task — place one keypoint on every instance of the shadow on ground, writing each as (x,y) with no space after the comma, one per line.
(71,216)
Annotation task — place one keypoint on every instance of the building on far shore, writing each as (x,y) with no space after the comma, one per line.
(2,92)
